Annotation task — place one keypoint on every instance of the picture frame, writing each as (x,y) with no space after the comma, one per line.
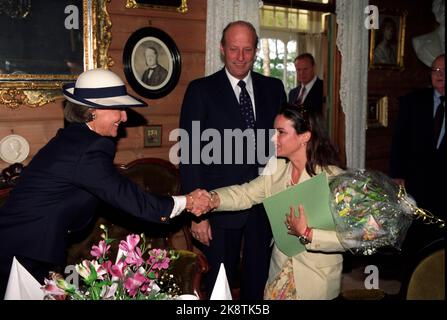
(386,49)
(177,5)
(152,136)
(377,113)
(42,54)
(146,48)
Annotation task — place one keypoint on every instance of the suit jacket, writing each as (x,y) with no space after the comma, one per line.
(317,274)
(211,102)
(157,77)
(314,99)
(414,156)
(58,192)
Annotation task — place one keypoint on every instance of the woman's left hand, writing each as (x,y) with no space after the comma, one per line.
(296,225)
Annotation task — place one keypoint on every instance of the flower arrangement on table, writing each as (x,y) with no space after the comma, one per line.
(371,212)
(139,273)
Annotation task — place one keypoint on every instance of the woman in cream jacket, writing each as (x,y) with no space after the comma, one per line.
(303,150)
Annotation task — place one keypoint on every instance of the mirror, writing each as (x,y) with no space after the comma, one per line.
(54,41)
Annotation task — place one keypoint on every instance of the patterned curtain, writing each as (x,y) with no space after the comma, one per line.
(352,41)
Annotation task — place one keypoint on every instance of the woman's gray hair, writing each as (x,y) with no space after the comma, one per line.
(76,113)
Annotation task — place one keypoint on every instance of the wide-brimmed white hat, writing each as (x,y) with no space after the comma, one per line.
(100,89)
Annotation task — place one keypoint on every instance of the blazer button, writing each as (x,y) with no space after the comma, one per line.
(68,231)
(163,219)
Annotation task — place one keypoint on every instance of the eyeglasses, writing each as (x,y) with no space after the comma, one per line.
(439,71)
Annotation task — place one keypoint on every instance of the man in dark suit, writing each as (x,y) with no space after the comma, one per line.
(155,74)
(309,92)
(418,153)
(215,104)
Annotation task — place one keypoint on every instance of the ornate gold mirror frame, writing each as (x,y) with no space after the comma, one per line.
(36,90)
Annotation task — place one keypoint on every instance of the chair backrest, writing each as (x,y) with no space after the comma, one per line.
(428,279)
(153,175)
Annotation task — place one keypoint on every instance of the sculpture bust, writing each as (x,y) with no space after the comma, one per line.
(429,46)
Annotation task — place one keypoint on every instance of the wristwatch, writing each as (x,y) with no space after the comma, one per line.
(304,238)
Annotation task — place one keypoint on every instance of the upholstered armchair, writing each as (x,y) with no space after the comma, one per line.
(425,276)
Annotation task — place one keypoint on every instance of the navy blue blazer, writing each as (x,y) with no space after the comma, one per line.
(314,99)
(59,191)
(212,102)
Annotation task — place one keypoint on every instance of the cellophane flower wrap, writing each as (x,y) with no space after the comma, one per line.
(138,273)
(369,213)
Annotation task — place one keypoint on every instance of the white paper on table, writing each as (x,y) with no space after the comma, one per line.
(22,285)
(221,290)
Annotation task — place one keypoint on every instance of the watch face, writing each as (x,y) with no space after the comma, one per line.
(303,240)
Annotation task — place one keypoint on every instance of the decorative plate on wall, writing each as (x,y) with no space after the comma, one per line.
(14,148)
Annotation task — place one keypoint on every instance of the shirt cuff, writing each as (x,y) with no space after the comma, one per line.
(179,206)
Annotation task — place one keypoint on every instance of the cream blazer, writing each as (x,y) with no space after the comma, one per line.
(317,271)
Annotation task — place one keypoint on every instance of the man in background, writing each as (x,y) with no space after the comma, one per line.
(419,153)
(309,91)
(234,98)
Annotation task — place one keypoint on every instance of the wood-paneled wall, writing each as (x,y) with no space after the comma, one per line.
(39,125)
(393,83)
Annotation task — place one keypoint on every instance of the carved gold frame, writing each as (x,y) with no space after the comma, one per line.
(183,8)
(37,90)
(377,115)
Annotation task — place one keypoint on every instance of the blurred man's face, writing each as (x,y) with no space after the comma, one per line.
(151,57)
(305,71)
(438,75)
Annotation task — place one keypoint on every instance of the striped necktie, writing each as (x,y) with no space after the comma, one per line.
(300,99)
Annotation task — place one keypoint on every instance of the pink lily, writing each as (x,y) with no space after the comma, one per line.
(132,284)
(134,257)
(130,243)
(117,270)
(100,250)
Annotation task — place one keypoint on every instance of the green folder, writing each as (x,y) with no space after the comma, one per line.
(313,194)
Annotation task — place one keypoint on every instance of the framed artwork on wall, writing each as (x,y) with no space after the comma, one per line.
(377,112)
(152,136)
(178,5)
(152,63)
(386,49)
(38,54)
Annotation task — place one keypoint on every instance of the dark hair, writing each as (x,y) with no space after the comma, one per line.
(319,150)
(239,23)
(381,35)
(306,56)
(153,49)
(75,113)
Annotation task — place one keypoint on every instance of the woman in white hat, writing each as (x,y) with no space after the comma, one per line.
(59,190)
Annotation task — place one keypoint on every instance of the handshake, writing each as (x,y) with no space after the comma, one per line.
(201,201)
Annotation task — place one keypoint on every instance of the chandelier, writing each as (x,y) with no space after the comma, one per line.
(15,8)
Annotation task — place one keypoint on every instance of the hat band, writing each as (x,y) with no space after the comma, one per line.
(97,93)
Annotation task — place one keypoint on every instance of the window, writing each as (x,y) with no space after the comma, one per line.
(285,33)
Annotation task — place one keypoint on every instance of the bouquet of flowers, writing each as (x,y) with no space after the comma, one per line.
(138,273)
(369,211)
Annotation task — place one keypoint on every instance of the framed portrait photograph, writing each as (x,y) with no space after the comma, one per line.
(178,5)
(152,63)
(152,136)
(386,49)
